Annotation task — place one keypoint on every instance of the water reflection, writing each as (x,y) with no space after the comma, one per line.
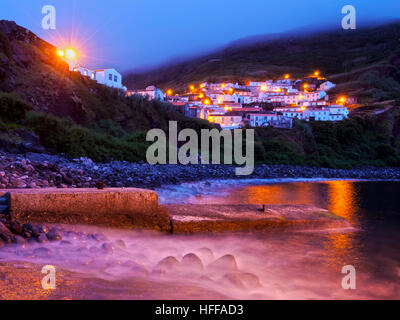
(339,197)
(343,200)
(343,249)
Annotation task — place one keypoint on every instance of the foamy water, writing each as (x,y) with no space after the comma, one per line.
(285,265)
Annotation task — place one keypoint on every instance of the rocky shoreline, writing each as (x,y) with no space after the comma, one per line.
(44,171)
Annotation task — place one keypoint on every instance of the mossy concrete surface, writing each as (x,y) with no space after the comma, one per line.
(115,207)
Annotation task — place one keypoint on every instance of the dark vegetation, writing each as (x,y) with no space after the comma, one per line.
(355,142)
(69,113)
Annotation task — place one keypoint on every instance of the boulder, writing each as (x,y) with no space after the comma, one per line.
(16,228)
(226,263)
(42,238)
(54,235)
(233,279)
(206,254)
(191,262)
(167,265)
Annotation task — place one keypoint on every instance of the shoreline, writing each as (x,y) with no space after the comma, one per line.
(43,171)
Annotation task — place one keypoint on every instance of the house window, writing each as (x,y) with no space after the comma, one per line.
(110,77)
(115,79)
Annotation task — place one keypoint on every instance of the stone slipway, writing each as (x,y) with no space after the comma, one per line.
(117,207)
(133,208)
(249,218)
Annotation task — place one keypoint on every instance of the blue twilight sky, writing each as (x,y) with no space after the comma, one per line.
(129,34)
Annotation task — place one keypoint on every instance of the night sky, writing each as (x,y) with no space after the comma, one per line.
(129,34)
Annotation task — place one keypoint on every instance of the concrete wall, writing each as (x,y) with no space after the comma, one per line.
(120,207)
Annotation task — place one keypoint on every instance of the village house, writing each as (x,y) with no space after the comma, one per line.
(326,86)
(151,92)
(108,77)
(226,121)
(316,113)
(262,119)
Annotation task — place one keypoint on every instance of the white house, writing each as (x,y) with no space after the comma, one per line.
(262,120)
(109,77)
(317,113)
(152,92)
(226,121)
(327,86)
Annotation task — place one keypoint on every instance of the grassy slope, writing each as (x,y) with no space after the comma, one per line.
(71,113)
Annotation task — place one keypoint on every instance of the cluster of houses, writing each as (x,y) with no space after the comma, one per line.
(255,104)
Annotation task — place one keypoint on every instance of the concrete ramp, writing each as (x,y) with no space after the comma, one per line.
(213,218)
(116,207)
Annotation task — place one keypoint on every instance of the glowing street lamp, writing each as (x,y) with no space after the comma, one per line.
(287,76)
(342,100)
(191,87)
(207,102)
(60,53)
(169,92)
(70,54)
(316,73)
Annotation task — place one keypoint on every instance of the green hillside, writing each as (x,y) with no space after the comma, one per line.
(70,113)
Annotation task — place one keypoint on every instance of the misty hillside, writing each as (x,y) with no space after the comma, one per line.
(45,107)
(359,59)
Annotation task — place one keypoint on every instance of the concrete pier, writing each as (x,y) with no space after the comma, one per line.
(133,208)
(117,207)
(189,219)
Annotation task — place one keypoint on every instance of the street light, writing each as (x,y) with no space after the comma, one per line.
(70,54)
